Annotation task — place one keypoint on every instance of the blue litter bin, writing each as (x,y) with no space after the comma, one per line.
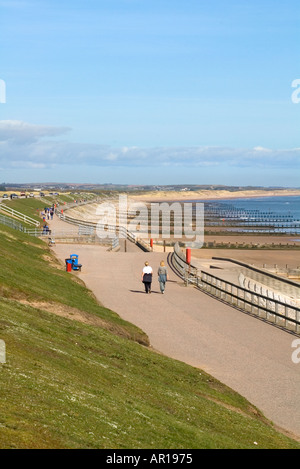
(75,263)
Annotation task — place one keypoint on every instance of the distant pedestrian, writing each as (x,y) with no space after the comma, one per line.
(46,229)
(147,277)
(162,273)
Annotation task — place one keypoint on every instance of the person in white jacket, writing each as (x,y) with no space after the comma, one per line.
(147,277)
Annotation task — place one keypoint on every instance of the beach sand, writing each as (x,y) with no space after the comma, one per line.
(253,239)
(156,196)
(257,257)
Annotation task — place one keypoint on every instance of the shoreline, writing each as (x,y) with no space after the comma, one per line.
(189,196)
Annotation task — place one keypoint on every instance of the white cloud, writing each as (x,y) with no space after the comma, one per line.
(262,149)
(20,132)
(27,145)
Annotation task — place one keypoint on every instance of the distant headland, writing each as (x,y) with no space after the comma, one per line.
(162,192)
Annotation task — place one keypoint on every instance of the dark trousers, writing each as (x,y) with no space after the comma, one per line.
(147,286)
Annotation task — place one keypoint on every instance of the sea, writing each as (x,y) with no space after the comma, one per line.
(285,208)
(279,205)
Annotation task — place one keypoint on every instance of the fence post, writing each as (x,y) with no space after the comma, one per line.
(186,277)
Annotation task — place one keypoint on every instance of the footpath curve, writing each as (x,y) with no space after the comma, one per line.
(250,356)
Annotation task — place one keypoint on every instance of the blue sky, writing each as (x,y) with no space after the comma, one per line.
(140,92)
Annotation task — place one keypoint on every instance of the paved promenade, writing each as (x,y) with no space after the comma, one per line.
(248,355)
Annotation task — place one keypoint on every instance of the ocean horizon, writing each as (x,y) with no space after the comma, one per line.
(282,210)
(279,205)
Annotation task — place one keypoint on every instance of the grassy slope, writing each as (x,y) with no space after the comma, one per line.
(70,385)
(30,273)
(32,207)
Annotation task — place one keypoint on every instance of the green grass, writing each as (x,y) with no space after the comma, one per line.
(67,384)
(30,207)
(31,273)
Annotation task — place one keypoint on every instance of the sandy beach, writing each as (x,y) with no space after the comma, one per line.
(157,196)
(256,257)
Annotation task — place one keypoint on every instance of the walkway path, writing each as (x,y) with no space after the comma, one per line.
(250,356)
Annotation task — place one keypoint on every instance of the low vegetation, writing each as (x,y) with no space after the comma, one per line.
(78,376)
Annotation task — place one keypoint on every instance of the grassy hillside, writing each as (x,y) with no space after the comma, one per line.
(91,381)
(30,274)
(33,206)
(30,207)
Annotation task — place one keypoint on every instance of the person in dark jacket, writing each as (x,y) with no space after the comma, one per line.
(147,277)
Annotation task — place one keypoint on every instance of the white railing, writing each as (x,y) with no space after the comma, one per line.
(114,231)
(18,215)
(73,236)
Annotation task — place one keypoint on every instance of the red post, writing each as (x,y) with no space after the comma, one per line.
(151,243)
(188,255)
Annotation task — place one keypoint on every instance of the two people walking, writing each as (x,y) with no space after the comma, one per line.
(147,274)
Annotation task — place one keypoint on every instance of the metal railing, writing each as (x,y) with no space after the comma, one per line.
(113,231)
(276,312)
(18,215)
(11,223)
(86,231)
(80,236)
